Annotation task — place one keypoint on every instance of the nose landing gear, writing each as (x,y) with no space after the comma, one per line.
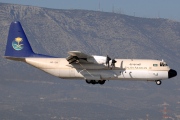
(158,82)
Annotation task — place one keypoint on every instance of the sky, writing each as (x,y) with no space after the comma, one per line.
(169,9)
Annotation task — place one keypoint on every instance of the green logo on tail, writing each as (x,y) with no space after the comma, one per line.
(16,43)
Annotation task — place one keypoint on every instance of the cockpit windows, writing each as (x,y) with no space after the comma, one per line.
(163,64)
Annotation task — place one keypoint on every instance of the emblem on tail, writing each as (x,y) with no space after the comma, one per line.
(16,43)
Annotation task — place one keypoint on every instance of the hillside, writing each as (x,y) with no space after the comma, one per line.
(55,32)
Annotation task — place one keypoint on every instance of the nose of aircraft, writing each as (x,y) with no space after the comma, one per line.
(172,73)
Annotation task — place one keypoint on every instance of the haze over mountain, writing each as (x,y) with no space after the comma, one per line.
(28,93)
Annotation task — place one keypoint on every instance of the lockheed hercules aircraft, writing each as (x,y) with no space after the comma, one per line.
(78,65)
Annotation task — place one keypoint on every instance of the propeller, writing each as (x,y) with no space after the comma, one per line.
(107,60)
(113,62)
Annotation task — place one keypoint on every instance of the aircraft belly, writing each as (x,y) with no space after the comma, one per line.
(108,74)
(158,75)
(140,75)
(126,75)
(70,74)
(54,72)
(114,74)
(88,74)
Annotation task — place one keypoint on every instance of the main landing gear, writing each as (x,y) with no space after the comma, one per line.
(158,82)
(101,82)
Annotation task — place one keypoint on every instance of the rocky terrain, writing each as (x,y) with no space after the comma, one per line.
(28,93)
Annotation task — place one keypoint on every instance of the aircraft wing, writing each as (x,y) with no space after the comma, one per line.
(79,57)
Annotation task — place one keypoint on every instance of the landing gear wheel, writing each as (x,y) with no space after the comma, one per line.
(88,81)
(101,82)
(158,82)
(93,82)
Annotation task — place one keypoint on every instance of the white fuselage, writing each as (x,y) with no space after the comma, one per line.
(125,69)
(78,65)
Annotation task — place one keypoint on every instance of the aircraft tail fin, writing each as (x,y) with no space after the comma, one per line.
(17,42)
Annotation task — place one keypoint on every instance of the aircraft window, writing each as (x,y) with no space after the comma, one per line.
(155,65)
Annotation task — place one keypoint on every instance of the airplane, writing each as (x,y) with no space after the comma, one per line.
(93,69)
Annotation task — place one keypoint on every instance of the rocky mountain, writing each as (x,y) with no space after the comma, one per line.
(52,31)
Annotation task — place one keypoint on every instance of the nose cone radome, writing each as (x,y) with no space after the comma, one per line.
(172,73)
